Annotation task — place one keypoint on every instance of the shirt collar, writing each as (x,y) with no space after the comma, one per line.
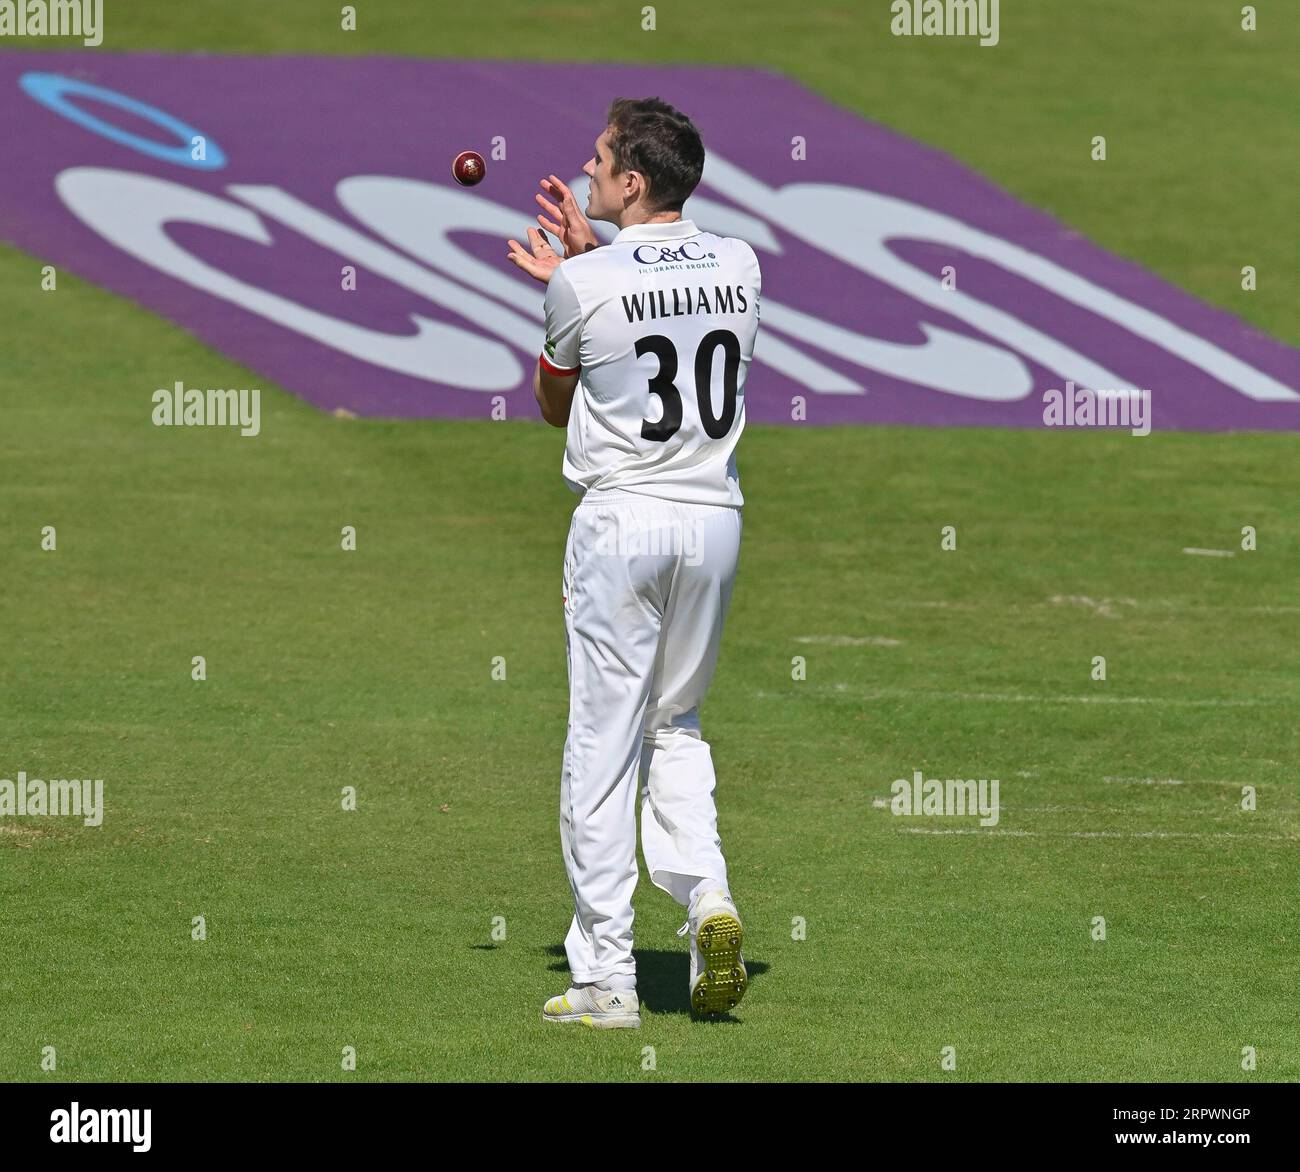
(672,230)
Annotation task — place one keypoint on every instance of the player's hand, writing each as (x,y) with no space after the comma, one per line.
(539,260)
(566,220)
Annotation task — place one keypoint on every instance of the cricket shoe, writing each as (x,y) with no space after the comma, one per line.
(718,976)
(602,1009)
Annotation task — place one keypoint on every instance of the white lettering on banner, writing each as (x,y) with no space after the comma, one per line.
(419,218)
(131,211)
(800,368)
(482,311)
(954,363)
(853,225)
(945,361)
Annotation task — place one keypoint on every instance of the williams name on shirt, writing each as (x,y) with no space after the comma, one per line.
(657,303)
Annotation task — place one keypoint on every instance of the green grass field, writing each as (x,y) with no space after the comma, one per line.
(374,929)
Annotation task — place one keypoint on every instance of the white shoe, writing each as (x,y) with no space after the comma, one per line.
(610,1009)
(718,976)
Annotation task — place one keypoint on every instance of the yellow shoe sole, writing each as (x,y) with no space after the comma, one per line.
(723,980)
(597,1021)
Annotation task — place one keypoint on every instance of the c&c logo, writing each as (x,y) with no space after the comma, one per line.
(667,255)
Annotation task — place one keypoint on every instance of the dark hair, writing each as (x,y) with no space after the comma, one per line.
(649,136)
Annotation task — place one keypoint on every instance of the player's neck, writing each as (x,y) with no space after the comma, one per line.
(638,215)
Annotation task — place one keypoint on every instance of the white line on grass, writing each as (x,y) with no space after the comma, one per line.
(850,640)
(1161,603)
(885,803)
(1086,808)
(1145,780)
(1014,698)
(1164,781)
(1101,606)
(1105,833)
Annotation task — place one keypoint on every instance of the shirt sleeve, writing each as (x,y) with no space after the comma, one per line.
(758,281)
(560,355)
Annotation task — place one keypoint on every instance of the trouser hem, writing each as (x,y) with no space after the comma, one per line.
(586,979)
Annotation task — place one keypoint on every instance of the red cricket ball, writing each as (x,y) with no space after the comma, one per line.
(468,168)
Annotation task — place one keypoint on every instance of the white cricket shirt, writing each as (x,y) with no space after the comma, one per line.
(662,324)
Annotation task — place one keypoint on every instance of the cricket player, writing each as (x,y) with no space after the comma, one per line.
(648,341)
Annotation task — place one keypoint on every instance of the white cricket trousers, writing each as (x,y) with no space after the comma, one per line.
(646,587)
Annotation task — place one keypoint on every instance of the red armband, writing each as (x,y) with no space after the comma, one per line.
(551,368)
